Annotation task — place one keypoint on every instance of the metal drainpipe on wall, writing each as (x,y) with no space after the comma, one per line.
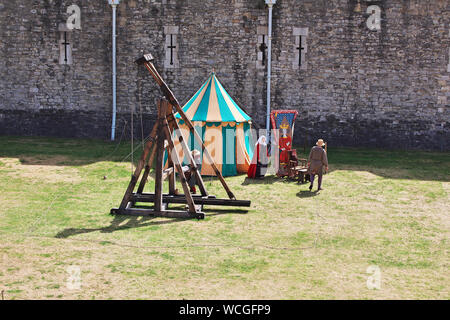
(114,4)
(270,4)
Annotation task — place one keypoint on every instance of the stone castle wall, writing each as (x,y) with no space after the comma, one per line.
(386,87)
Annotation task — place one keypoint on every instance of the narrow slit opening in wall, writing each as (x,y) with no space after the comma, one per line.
(171,47)
(65,48)
(65,44)
(263,48)
(300,49)
(448,66)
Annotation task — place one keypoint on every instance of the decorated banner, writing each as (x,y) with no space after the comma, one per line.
(284,121)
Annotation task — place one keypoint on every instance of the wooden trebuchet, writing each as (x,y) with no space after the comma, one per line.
(147,60)
(161,140)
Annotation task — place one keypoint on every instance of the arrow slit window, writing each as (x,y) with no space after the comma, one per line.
(300,48)
(171,47)
(65,45)
(448,66)
(261,48)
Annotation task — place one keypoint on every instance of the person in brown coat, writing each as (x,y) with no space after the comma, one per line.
(316,161)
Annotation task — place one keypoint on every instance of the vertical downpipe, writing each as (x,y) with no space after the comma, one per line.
(269,67)
(114,72)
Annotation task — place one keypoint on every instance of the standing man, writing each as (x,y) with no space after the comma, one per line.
(316,161)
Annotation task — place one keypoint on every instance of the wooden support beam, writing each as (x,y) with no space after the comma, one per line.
(162,107)
(180,199)
(167,172)
(170,173)
(165,213)
(147,170)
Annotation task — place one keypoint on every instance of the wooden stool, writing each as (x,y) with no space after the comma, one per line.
(301,173)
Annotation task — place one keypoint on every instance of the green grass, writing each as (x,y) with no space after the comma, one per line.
(384,208)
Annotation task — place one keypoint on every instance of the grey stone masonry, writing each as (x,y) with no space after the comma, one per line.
(371,73)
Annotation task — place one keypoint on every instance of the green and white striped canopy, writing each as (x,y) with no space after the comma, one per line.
(213,104)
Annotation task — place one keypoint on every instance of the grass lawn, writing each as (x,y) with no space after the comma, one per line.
(388,209)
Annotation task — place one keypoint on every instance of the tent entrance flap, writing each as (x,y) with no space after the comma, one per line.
(229,154)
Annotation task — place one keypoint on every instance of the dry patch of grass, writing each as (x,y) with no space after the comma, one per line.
(43,169)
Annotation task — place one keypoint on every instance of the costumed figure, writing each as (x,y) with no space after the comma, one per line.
(189,172)
(258,166)
(316,161)
(284,142)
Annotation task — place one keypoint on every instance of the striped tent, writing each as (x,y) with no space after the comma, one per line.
(223,126)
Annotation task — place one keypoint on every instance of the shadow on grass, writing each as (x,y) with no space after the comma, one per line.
(218,212)
(307,194)
(122,222)
(266,180)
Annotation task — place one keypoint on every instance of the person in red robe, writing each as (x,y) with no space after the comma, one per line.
(284,143)
(258,166)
